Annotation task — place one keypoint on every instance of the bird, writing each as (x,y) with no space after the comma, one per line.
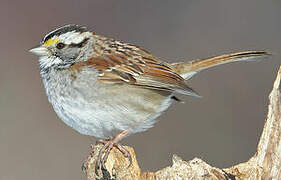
(110,89)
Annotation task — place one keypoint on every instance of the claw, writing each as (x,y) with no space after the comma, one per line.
(108,149)
(126,153)
(105,151)
(99,158)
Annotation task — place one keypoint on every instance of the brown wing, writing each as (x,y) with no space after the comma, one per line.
(141,71)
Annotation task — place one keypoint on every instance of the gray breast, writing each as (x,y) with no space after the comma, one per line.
(103,110)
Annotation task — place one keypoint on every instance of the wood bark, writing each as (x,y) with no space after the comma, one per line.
(264,165)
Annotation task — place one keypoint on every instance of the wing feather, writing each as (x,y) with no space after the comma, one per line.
(146,72)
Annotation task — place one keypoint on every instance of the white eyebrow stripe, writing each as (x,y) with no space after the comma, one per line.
(73,37)
(64,29)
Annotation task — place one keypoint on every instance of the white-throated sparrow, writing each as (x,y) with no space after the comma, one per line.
(110,89)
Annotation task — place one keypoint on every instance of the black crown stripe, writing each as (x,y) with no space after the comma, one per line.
(62,30)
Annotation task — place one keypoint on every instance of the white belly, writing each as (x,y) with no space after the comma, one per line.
(103,110)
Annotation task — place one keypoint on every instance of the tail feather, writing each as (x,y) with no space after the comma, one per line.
(188,69)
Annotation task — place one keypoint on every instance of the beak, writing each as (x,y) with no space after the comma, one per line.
(40,51)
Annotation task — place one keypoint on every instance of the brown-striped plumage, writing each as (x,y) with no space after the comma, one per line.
(130,64)
(110,89)
(125,63)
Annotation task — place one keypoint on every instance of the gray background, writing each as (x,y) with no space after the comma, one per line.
(222,128)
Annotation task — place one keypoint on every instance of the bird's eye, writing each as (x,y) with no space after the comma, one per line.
(60,45)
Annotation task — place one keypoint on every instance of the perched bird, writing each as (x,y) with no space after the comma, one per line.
(110,89)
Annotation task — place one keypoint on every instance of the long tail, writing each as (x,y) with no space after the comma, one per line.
(188,69)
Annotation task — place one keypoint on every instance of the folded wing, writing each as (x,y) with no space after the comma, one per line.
(143,71)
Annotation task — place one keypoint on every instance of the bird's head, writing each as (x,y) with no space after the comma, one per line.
(64,46)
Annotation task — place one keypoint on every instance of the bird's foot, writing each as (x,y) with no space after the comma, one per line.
(107,147)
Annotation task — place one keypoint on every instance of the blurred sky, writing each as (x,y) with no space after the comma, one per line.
(222,128)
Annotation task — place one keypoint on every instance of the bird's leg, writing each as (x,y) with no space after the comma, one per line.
(108,145)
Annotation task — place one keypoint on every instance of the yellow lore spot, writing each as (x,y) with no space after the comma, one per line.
(51,41)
